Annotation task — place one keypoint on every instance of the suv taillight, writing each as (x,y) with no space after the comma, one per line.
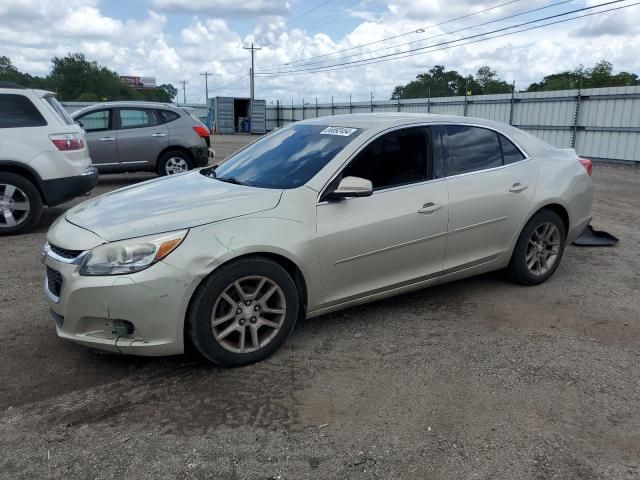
(201,131)
(586,163)
(67,141)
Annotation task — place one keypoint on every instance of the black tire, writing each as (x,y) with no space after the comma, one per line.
(24,221)
(166,158)
(199,327)
(518,270)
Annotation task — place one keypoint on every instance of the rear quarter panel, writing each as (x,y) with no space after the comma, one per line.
(564,181)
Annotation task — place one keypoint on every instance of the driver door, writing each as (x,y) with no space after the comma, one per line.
(394,237)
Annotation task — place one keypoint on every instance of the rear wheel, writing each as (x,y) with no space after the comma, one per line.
(539,249)
(173,162)
(20,204)
(243,312)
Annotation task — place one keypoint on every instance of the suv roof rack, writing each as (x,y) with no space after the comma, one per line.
(11,85)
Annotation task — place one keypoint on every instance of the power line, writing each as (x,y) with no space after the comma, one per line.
(397,54)
(485,39)
(322,4)
(419,30)
(437,36)
(233,82)
(326,19)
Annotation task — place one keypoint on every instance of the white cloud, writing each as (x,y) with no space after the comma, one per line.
(225,8)
(148,47)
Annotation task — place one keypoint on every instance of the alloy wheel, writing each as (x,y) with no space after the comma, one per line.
(543,248)
(176,165)
(248,314)
(14,206)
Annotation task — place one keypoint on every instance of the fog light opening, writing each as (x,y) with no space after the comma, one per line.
(122,328)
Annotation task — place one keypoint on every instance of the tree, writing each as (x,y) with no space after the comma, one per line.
(440,82)
(488,81)
(600,75)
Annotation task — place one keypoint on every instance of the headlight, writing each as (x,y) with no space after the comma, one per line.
(129,256)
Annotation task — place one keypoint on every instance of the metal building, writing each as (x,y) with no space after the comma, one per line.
(600,123)
(231,115)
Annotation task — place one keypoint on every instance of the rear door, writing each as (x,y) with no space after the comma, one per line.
(101,136)
(491,184)
(141,136)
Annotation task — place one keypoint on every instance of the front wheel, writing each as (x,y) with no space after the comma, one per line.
(539,249)
(20,204)
(242,313)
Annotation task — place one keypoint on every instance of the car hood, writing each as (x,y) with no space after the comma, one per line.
(169,203)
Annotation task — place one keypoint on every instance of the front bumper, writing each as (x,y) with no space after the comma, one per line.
(86,309)
(59,190)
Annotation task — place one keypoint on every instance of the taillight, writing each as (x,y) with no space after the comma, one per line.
(67,141)
(586,163)
(201,131)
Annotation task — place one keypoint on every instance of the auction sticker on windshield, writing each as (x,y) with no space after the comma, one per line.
(342,131)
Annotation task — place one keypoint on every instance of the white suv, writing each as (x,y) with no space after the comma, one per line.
(44,158)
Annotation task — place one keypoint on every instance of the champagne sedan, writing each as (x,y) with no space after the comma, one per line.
(318,216)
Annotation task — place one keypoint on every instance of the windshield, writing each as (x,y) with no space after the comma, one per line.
(286,158)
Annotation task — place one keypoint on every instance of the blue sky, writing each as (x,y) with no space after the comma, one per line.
(175,40)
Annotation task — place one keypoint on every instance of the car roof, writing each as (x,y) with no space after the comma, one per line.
(131,103)
(392,119)
(21,89)
(377,122)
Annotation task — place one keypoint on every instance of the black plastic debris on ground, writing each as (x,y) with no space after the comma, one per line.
(595,238)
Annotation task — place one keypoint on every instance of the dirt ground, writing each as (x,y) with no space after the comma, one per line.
(480,378)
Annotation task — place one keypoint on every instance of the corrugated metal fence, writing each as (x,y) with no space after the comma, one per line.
(600,123)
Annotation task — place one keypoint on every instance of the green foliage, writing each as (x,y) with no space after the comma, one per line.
(601,75)
(74,78)
(439,82)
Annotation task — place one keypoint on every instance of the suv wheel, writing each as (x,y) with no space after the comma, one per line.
(172,162)
(539,249)
(242,313)
(20,204)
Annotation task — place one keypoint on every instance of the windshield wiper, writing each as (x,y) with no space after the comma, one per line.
(233,180)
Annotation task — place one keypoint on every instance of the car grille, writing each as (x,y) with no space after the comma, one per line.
(54,281)
(64,253)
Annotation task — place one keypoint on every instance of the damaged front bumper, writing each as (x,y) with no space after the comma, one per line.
(91,310)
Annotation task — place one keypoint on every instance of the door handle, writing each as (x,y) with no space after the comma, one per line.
(107,139)
(518,187)
(159,135)
(430,207)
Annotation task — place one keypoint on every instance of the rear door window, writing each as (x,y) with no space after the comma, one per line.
(470,149)
(167,116)
(18,111)
(96,121)
(510,152)
(57,107)
(137,118)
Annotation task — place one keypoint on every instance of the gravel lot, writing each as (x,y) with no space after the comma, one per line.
(476,379)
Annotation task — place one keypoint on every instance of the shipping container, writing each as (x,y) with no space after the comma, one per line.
(231,115)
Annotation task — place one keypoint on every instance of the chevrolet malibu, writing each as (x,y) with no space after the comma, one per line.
(318,216)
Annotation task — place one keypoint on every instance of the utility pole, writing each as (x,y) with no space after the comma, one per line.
(206,86)
(184,91)
(252,72)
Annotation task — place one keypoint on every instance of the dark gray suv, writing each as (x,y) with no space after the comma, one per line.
(141,136)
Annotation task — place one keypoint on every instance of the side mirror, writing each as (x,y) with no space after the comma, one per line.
(78,122)
(351,187)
